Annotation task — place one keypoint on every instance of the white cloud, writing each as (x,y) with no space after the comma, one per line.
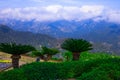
(94,8)
(113,16)
(58,12)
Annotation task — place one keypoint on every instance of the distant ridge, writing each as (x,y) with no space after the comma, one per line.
(104,35)
(9,35)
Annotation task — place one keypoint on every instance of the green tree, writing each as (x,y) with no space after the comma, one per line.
(49,52)
(45,53)
(39,55)
(15,50)
(76,46)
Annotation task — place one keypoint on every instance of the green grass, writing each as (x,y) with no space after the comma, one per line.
(86,56)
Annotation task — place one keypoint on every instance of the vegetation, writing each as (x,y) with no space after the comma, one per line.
(16,50)
(39,55)
(76,46)
(88,66)
(45,53)
(99,68)
(49,52)
(108,71)
(67,56)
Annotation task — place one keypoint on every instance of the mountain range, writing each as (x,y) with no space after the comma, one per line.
(8,35)
(104,35)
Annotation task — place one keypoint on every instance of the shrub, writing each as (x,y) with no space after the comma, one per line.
(87,66)
(86,56)
(16,74)
(47,71)
(67,56)
(103,72)
(94,69)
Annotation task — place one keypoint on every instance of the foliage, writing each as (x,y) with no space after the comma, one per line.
(39,71)
(106,68)
(86,56)
(46,71)
(56,59)
(49,51)
(45,53)
(88,66)
(76,45)
(103,72)
(16,74)
(13,48)
(37,53)
(16,50)
(67,56)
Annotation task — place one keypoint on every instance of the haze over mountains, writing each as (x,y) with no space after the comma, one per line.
(103,34)
(9,35)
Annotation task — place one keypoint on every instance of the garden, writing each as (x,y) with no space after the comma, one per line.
(77,64)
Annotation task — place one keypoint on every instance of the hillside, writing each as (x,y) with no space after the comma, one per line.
(9,35)
(103,34)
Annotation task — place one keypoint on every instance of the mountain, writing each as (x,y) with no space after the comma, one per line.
(35,39)
(104,35)
(63,28)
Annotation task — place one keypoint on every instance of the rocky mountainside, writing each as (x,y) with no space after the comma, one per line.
(9,35)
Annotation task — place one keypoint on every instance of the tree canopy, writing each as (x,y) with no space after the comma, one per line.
(13,48)
(49,51)
(76,45)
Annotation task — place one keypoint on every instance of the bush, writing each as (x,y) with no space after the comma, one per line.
(87,66)
(47,71)
(39,71)
(86,56)
(16,74)
(103,72)
(93,69)
(67,56)
(56,59)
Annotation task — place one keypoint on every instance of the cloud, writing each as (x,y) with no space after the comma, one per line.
(113,16)
(59,12)
(59,1)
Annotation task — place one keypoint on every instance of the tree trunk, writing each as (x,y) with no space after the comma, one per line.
(48,57)
(15,60)
(76,56)
(42,57)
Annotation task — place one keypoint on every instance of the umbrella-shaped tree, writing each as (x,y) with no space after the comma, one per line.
(49,52)
(15,50)
(46,53)
(39,55)
(76,46)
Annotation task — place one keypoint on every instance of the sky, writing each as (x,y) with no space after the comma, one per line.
(52,10)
